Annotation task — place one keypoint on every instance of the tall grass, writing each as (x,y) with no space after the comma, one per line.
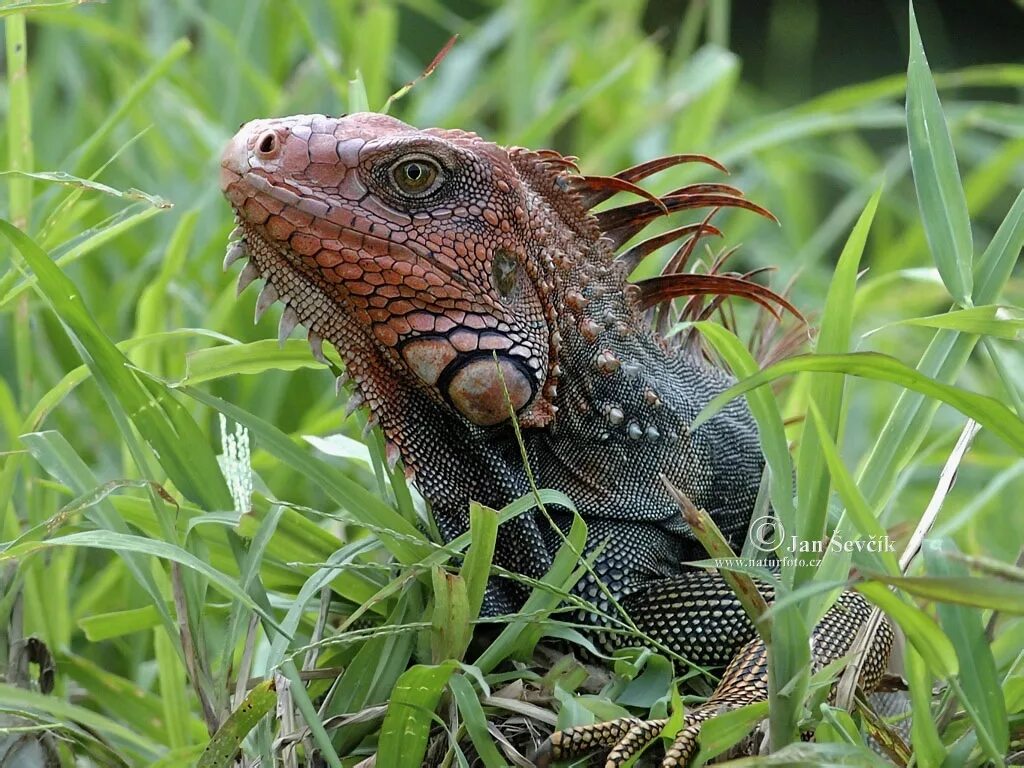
(180,573)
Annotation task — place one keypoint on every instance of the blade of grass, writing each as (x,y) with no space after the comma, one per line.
(403,735)
(965,629)
(476,721)
(826,392)
(936,176)
(121,542)
(985,410)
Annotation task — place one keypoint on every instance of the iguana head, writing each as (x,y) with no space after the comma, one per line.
(412,252)
(439,264)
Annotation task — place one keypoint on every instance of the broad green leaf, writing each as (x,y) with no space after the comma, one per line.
(403,735)
(450,628)
(936,176)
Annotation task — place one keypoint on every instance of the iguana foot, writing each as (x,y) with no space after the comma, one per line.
(625,738)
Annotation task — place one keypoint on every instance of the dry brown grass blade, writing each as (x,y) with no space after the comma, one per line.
(438,58)
(846,688)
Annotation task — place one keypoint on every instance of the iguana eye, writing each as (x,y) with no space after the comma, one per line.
(504,271)
(416,176)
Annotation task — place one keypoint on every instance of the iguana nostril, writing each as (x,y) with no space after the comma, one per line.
(267,144)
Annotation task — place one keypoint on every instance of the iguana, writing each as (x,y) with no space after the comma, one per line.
(460,280)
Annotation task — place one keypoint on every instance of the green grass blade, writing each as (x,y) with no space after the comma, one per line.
(928,747)
(936,176)
(403,735)
(407,544)
(146,749)
(122,542)
(188,460)
(223,746)
(483,529)
(827,391)
(943,359)
(924,634)
(254,357)
(988,320)
(966,630)
(765,410)
(476,721)
(521,634)
(373,672)
(985,410)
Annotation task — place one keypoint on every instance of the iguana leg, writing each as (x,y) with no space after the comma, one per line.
(745,681)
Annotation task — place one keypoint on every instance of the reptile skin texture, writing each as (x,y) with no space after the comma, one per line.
(460,281)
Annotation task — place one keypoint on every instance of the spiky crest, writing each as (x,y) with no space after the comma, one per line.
(707,291)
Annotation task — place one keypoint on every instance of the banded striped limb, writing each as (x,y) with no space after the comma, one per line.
(745,681)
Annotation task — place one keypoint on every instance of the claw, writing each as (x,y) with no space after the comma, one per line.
(353,402)
(246,276)
(236,233)
(316,345)
(392,454)
(236,251)
(339,383)
(267,297)
(288,322)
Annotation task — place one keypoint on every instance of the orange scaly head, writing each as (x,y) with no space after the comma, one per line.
(411,251)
